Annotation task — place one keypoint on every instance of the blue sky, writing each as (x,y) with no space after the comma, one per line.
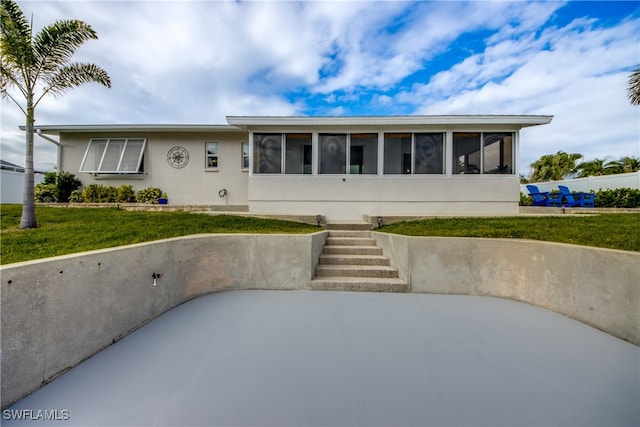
(199,61)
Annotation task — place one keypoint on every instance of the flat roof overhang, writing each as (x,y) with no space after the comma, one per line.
(110,128)
(520,121)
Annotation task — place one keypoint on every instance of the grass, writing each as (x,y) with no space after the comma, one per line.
(63,231)
(614,231)
(69,230)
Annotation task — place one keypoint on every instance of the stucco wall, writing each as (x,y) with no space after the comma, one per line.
(351,197)
(599,287)
(192,184)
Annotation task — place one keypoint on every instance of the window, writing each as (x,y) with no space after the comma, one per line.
(211,155)
(466,153)
(267,153)
(298,153)
(397,153)
(114,156)
(333,153)
(494,156)
(363,153)
(429,153)
(498,153)
(245,155)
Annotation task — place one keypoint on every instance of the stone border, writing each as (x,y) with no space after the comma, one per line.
(60,311)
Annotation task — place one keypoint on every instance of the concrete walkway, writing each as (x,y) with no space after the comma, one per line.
(341,358)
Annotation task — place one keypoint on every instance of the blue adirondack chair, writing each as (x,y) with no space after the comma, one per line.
(571,199)
(543,198)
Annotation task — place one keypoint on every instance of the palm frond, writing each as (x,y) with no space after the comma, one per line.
(633,91)
(15,35)
(55,44)
(75,75)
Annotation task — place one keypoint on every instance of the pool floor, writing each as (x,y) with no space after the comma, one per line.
(340,358)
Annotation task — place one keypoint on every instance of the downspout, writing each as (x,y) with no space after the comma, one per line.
(58,150)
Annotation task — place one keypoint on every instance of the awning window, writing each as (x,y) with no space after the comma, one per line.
(114,156)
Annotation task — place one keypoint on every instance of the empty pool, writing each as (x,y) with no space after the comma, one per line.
(341,358)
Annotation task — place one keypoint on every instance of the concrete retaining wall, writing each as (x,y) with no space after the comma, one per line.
(59,311)
(599,287)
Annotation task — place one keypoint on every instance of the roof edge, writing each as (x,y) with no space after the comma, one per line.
(103,128)
(520,120)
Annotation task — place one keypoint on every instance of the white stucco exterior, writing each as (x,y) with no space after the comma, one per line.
(192,184)
(369,188)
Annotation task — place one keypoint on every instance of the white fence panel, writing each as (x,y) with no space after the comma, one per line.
(592,183)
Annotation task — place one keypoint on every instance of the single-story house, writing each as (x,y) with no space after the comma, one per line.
(339,167)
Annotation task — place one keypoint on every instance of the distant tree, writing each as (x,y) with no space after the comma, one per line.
(595,167)
(633,91)
(37,66)
(554,167)
(625,164)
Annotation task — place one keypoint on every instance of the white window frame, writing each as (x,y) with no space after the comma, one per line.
(244,156)
(119,168)
(207,156)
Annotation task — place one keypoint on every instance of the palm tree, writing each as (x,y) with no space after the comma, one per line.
(37,66)
(554,167)
(633,91)
(625,165)
(595,167)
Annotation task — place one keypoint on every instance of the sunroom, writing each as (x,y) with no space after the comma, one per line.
(346,167)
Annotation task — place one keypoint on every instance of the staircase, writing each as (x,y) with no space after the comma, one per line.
(351,261)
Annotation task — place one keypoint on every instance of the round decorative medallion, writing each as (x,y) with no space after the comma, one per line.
(178,157)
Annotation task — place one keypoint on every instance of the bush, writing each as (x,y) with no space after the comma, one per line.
(149,195)
(66,183)
(98,193)
(525,200)
(76,196)
(45,193)
(57,187)
(125,194)
(618,198)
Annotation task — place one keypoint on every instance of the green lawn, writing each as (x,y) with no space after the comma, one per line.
(68,230)
(615,231)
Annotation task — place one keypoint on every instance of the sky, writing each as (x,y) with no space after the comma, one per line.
(196,62)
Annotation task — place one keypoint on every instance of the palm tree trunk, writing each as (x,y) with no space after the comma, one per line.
(28,200)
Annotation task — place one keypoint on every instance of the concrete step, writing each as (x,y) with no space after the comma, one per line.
(344,259)
(359,284)
(350,241)
(347,226)
(378,271)
(352,250)
(349,233)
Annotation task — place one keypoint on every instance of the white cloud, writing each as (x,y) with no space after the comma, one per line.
(580,78)
(198,61)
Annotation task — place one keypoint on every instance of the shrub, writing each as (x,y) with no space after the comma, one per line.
(525,200)
(76,196)
(125,194)
(57,187)
(45,193)
(149,195)
(98,193)
(618,198)
(66,183)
